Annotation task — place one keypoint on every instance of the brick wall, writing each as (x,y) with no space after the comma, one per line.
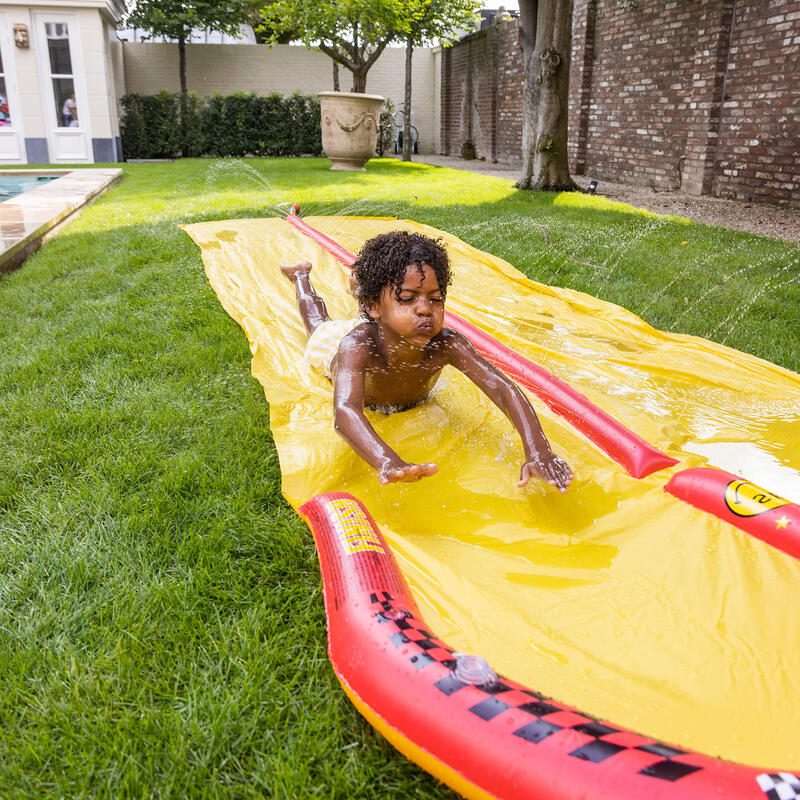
(509,88)
(481,79)
(759,144)
(704,96)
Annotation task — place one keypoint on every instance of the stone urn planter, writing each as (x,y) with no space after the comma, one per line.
(350,127)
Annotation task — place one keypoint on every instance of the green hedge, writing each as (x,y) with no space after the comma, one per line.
(234,125)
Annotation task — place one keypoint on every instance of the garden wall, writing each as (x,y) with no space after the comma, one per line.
(227,68)
(716,82)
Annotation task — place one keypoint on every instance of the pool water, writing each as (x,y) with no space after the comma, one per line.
(12,185)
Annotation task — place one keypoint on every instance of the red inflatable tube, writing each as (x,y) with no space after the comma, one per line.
(624,446)
(497,739)
(754,510)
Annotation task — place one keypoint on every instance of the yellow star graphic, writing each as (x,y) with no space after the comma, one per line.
(782,522)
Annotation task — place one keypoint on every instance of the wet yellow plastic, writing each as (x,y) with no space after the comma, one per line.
(616,598)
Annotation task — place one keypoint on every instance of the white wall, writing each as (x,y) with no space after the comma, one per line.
(228,68)
(94,76)
(27,73)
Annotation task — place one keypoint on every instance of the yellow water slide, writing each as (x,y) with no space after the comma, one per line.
(617,597)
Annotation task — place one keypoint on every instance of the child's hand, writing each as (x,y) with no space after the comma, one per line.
(549,468)
(402,471)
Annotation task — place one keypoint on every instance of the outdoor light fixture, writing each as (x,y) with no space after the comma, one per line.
(592,187)
(21,35)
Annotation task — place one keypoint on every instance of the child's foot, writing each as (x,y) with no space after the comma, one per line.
(291,271)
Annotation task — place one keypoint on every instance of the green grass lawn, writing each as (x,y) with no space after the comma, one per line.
(162,629)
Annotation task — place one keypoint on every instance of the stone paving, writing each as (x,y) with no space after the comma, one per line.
(28,219)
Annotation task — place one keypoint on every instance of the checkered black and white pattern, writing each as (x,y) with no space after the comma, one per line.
(543,717)
(780,785)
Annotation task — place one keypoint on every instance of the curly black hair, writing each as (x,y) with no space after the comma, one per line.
(383,260)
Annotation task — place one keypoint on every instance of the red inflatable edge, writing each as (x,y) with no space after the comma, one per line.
(499,739)
(638,457)
(750,508)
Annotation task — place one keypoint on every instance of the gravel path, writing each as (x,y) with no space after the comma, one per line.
(777,222)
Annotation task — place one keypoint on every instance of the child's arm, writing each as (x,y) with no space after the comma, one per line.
(354,427)
(540,460)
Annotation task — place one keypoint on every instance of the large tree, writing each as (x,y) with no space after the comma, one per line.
(429,21)
(176,19)
(546,37)
(352,32)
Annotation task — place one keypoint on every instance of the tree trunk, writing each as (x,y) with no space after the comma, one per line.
(184,95)
(407,103)
(546,39)
(335,76)
(182,63)
(359,81)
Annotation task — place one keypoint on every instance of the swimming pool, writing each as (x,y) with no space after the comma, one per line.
(12,185)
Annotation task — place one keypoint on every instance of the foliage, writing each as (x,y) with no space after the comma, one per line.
(355,32)
(176,19)
(352,32)
(235,125)
(151,126)
(432,21)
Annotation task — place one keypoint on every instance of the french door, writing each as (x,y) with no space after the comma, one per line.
(63,88)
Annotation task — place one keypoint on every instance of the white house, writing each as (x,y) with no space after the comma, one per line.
(61,74)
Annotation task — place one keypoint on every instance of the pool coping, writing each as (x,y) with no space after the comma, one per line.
(29,219)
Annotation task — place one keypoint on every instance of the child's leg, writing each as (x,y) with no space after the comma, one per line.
(311,305)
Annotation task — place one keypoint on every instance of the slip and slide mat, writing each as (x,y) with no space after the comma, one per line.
(643,627)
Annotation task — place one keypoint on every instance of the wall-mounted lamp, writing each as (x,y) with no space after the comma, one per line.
(592,187)
(21,35)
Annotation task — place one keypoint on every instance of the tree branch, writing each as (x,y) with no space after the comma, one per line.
(337,56)
(378,50)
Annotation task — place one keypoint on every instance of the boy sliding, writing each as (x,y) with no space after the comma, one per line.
(390,360)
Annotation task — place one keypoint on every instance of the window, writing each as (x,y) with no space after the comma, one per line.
(61,74)
(5,116)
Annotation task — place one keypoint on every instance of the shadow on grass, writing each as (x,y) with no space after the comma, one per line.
(730,286)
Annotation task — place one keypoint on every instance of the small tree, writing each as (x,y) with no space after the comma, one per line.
(352,32)
(428,21)
(545,33)
(176,19)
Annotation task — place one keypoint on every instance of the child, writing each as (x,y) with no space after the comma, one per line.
(390,360)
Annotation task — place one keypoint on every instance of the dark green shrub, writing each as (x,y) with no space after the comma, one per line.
(151,126)
(192,131)
(305,119)
(239,124)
